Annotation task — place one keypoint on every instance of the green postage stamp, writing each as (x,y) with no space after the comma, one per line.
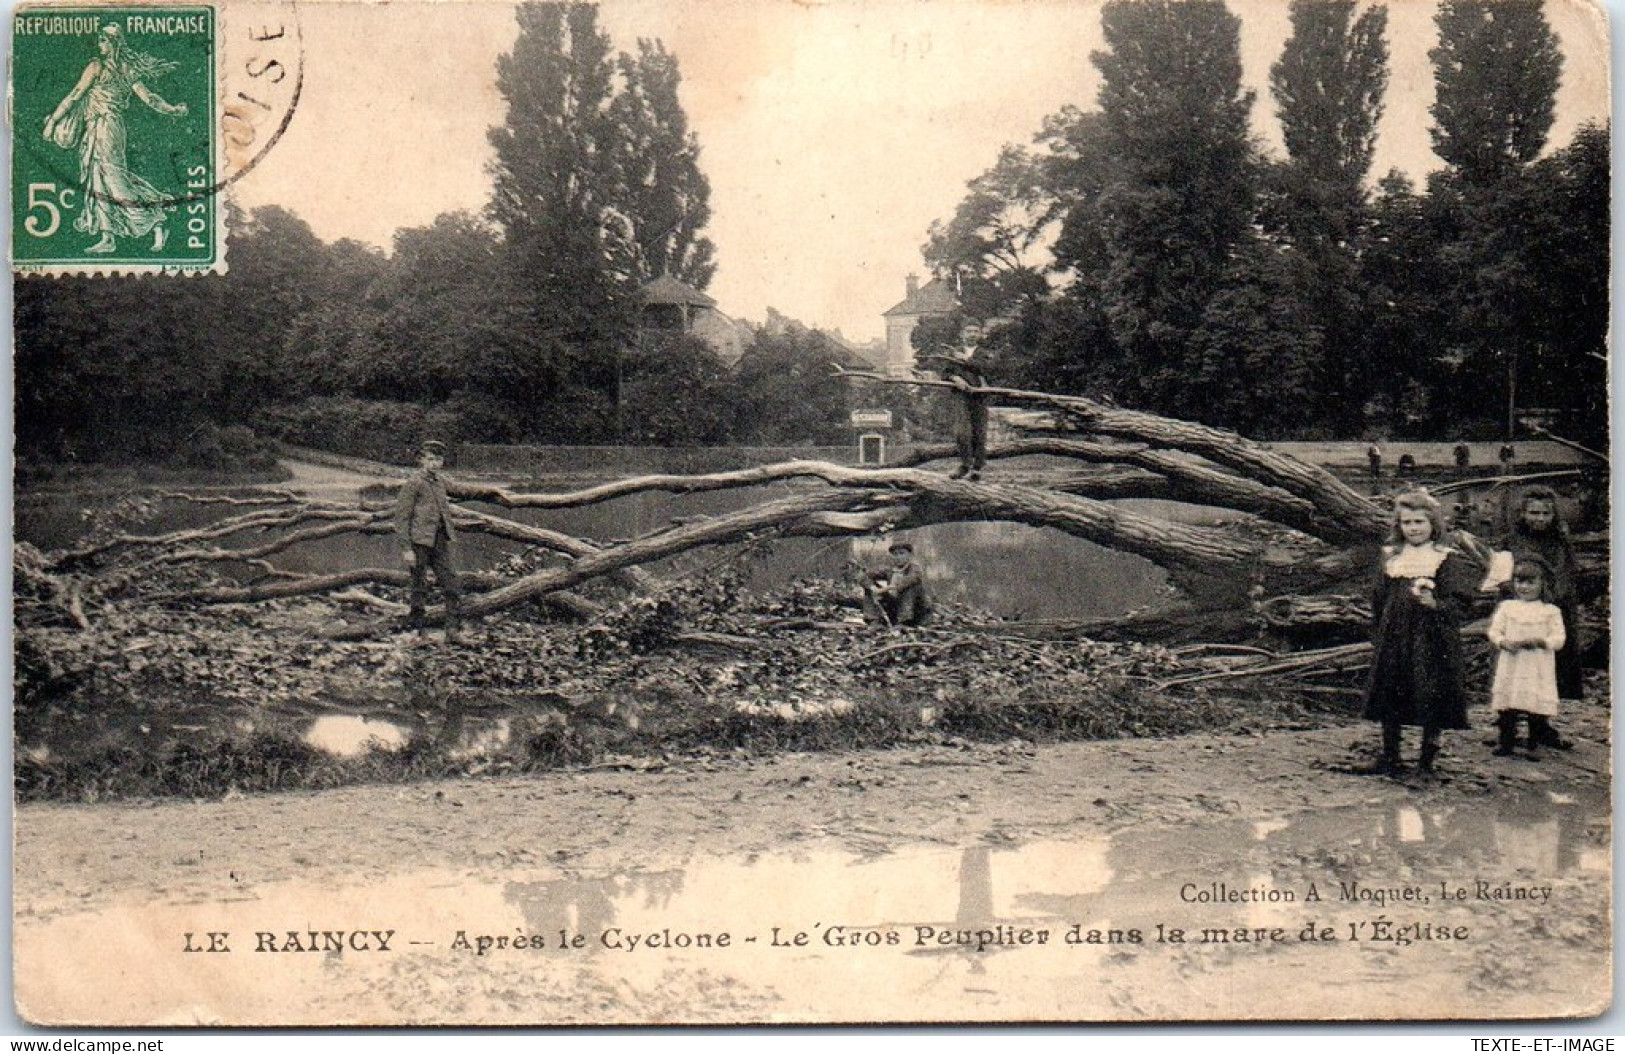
(116,153)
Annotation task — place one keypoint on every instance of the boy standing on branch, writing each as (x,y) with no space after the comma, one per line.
(970,431)
(423,521)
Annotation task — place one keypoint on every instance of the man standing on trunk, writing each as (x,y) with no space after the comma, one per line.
(970,430)
(423,520)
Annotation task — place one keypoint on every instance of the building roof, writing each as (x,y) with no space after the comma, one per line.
(935,297)
(668,290)
(851,354)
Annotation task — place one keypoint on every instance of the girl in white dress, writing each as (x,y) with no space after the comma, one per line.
(1527,632)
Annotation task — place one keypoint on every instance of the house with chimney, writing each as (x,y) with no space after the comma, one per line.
(934,299)
(669,307)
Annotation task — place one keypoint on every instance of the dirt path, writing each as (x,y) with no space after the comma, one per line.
(327,482)
(887,863)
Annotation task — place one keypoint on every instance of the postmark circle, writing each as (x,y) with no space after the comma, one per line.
(262,76)
(129,120)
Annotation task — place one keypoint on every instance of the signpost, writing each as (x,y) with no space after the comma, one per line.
(871,418)
(871,443)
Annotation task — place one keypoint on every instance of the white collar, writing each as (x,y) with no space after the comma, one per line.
(1415,561)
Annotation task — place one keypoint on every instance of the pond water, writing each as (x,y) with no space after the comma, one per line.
(455,736)
(1078,926)
(1012,571)
(349,735)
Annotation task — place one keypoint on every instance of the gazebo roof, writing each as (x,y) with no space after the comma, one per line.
(669,290)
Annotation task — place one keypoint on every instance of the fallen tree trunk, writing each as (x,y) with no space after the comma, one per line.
(288,587)
(1339,659)
(255,521)
(1184,479)
(739,526)
(622,488)
(553,541)
(357,524)
(926,498)
(1222,568)
(853,502)
(945,501)
(1355,516)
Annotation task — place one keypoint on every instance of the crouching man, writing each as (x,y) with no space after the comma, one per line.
(899,598)
(423,521)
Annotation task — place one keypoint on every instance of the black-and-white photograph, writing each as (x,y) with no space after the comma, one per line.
(849,512)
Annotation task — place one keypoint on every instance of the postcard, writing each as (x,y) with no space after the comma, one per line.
(737,513)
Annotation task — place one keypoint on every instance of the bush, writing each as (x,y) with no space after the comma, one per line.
(234,447)
(389,431)
(375,429)
(472,417)
(175,443)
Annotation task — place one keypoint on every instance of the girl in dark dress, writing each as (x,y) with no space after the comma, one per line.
(1423,590)
(1539,531)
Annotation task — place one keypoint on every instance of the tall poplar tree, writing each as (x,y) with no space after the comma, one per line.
(1328,86)
(665,196)
(597,188)
(1497,68)
(554,196)
(1175,114)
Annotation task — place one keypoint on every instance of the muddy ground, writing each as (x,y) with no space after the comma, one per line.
(928,883)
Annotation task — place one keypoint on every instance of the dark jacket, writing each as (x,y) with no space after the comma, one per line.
(1555,550)
(1418,670)
(422,509)
(902,597)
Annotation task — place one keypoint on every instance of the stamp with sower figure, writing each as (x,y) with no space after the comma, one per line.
(127,123)
(114,139)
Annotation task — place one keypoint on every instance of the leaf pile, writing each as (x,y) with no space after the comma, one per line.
(151,700)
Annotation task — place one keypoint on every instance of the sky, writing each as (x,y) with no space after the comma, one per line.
(833,132)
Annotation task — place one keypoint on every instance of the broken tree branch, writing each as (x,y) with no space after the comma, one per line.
(253,521)
(313,585)
(1358,515)
(1187,479)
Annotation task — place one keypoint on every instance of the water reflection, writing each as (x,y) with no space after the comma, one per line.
(79,735)
(349,736)
(590,905)
(461,736)
(1122,881)
(1020,572)
(925,932)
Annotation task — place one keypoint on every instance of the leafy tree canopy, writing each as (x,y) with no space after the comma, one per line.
(1497,67)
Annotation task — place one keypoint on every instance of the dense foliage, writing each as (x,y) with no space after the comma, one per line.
(1195,276)
(1146,250)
